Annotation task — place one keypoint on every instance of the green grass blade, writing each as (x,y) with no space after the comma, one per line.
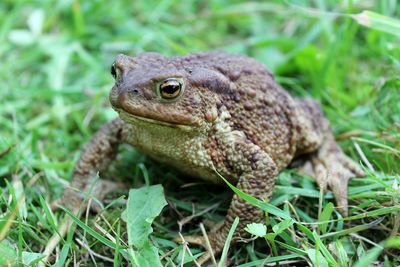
(89,230)
(271,260)
(325,217)
(228,242)
(354,229)
(258,203)
(378,22)
(325,251)
(373,213)
(368,257)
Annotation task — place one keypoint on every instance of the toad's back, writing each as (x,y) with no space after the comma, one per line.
(257,105)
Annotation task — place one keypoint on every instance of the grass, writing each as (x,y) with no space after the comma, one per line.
(54,80)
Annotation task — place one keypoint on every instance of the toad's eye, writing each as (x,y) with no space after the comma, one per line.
(170,88)
(115,72)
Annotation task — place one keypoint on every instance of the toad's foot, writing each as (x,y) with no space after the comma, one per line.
(258,172)
(332,169)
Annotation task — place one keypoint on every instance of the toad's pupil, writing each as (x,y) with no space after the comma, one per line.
(170,89)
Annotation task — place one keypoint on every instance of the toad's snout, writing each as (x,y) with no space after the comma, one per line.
(122,97)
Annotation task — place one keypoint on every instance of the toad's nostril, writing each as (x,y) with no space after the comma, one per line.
(135,91)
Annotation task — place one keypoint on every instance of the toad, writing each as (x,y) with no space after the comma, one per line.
(215,113)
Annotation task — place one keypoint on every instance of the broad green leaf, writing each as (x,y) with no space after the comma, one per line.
(148,256)
(257,229)
(144,205)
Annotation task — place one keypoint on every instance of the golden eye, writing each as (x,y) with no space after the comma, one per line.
(170,88)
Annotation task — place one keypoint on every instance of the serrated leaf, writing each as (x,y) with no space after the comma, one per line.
(148,256)
(257,229)
(144,205)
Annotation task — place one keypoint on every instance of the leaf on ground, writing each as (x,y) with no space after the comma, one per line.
(144,205)
(148,256)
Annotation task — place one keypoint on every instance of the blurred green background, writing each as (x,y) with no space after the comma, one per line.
(55,58)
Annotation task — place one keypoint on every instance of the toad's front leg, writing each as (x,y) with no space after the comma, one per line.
(257,172)
(96,156)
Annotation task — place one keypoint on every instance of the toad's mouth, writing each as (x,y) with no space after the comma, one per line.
(157,120)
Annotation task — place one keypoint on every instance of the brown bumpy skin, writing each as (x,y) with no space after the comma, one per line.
(95,157)
(225,113)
